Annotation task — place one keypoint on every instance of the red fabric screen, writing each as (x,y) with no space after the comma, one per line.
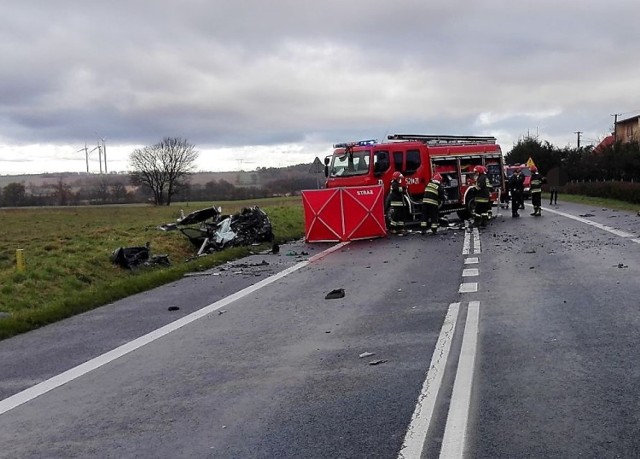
(344,214)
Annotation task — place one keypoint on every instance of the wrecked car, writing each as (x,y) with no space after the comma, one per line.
(216,231)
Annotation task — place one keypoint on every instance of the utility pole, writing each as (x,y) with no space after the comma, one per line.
(578,134)
(615,126)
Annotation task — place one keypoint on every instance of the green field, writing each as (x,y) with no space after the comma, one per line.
(67,251)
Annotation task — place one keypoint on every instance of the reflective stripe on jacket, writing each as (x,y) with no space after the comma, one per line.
(432,193)
(483,189)
(536,183)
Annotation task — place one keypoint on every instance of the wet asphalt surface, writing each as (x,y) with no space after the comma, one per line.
(558,368)
(278,373)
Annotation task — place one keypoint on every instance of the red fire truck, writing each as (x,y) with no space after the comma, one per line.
(418,157)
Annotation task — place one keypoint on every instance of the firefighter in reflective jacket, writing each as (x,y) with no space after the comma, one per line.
(397,203)
(536,191)
(433,198)
(483,197)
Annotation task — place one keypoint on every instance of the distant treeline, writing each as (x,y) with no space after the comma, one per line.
(117,189)
(604,171)
(617,161)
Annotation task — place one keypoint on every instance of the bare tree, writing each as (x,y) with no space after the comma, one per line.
(161,167)
(179,158)
(148,172)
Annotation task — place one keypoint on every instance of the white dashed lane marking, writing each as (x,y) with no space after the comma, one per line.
(468,287)
(471,243)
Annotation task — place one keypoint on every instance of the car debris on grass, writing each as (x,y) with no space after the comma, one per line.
(133,257)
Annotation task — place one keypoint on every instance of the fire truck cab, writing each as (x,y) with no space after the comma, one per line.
(418,157)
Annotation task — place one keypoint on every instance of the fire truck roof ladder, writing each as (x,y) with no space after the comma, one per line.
(443,139)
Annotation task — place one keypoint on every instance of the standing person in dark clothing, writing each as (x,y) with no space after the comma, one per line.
(433,198)
(504,197)
(483,197)
(397,203)
(516,186)
(556,178)
(536,191)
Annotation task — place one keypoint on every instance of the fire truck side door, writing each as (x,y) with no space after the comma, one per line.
(380,162)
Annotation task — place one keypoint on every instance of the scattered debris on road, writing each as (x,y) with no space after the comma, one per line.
(366,354)
(378,362)
(335,294)
(293,253)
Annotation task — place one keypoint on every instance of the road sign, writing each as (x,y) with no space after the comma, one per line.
(317,167)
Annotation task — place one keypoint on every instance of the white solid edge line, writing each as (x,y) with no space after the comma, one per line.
(26,395)
(454,438)
(617,232)
(476,241)
(420,421)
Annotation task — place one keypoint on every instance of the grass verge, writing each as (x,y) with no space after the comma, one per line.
(596,202)
(67,255)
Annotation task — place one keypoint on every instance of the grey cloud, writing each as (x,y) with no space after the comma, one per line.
(224,73)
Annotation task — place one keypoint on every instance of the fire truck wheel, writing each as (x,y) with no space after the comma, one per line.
(470,207)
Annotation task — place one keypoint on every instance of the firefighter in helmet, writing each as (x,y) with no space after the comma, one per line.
(397,203)
(431,202)
(536,191)
(483,196)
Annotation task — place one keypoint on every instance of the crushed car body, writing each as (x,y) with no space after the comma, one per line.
(210,231)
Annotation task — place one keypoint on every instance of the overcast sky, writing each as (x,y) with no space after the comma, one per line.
(272,83)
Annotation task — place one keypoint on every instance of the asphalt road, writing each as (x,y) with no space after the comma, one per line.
(515,341)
